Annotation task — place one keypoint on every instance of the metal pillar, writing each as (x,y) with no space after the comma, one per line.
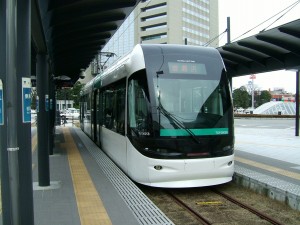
(52,116)
(42,120)
(228,31)
(5,192)
(24,125)
(11,106)
(228,42)
(297,102)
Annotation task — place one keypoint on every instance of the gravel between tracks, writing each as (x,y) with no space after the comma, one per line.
(218,210)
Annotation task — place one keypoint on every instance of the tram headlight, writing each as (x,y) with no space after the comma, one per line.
(228,148)
(158,167)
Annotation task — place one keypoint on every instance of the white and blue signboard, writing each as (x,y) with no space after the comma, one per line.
(1,104)
(37,104)
(46,103)
(26,100)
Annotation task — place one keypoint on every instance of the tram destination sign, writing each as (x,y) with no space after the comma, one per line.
(187,68)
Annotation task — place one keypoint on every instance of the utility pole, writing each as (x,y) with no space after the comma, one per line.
(228,30)
(228,42)
(252,77)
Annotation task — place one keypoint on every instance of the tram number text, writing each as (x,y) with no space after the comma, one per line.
(144,133)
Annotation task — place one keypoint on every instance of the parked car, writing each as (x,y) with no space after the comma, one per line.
(70,113)
(249,110)
(239,110)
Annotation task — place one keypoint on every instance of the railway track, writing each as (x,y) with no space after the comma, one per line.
(204,221)
(213,206)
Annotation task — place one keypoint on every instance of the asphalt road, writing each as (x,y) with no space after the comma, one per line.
(264,123)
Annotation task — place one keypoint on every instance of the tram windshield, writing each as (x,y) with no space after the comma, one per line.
(194,104)
(180,95)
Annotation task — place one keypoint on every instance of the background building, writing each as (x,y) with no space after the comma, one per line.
(194,22)
(173,21)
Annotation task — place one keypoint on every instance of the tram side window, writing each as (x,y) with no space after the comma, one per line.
(138,118)
(88,107)
(114,107)
(108,108)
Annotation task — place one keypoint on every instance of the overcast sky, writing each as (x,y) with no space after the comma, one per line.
(247,14)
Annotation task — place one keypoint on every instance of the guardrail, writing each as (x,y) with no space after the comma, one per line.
(237,115)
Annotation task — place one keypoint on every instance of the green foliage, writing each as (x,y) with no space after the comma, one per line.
(264,97)
(241,98)
(70,93)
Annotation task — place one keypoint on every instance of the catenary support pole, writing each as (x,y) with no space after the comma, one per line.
(42,120)
(11,108)
(228,42)
(228,31)
(297,102)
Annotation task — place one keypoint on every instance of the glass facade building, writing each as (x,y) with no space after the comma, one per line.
(194,22)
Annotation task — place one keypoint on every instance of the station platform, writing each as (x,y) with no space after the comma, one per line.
(87,188)
(268,162)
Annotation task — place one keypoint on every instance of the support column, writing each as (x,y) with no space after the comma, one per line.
(52,116)
(297,102)
(23,114)
(5,192)
(11,106)
(42,120)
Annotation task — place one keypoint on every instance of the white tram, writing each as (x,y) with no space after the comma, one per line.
(164,115)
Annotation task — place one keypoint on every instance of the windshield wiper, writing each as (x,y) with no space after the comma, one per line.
(175,121)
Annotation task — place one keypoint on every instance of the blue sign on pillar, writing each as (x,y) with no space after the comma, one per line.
(46,103)
(1,104)
(37,104)
(26,99)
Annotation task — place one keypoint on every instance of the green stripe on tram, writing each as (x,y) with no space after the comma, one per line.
(183,132)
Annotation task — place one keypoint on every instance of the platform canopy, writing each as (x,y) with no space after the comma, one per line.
(72,32)
(274,49)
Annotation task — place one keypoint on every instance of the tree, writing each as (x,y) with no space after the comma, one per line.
(241,98)
(71,93)
(263,97)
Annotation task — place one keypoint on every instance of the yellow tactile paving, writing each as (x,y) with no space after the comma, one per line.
(33,146)
(33,142)
(269,168)
(90,207)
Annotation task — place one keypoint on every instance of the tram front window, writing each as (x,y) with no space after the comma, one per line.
(192,103)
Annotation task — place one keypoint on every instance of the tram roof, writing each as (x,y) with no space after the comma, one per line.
(72,32)
(274,49)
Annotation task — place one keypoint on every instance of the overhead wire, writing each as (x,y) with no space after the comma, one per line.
(281,15)
(213,39)
(287,8)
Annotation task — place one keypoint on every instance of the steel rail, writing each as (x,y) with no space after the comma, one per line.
(247,207)
(185,206)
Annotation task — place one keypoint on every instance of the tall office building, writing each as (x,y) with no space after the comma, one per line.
(165,22)
(173,21)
